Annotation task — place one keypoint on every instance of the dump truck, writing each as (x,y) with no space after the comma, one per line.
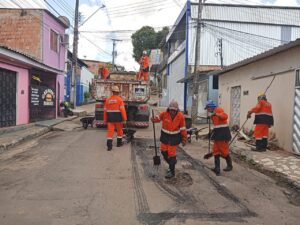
(134,93)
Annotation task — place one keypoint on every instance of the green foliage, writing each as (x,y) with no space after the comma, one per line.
(87,95)
(146,39)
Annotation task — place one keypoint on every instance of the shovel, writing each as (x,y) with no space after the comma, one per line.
(209,154)
(156,158)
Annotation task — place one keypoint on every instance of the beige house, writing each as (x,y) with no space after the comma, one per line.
(240,83)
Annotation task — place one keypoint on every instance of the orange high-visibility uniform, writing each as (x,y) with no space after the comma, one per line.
(104,72)
(172,133)
(144,68)
(114,114)
(263,119)
(221,133)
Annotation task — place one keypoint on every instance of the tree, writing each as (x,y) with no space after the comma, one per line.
(145,39)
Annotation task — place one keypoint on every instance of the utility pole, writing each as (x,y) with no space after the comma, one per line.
(74,58)
(114,52)
(220,45)
(197,56)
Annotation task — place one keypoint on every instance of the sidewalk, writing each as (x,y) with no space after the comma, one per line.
(12,136)
(283,164)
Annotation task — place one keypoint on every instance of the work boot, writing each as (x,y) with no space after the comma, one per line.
(170,174)
(258,149)
(109,145)
(216,170)
(119,142)
(229,166)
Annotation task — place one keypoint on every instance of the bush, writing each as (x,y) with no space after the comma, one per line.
(87,95)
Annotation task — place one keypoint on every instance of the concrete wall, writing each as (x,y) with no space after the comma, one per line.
(280,94)
(22,93)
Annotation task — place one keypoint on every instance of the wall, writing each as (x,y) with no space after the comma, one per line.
(280,94)
(50,57)
(22,31)
(22,99)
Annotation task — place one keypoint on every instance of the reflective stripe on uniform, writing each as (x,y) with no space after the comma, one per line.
(221,125)
(267,114)
(171,132)
(116,110)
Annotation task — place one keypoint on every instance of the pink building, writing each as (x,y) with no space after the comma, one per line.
(32,63)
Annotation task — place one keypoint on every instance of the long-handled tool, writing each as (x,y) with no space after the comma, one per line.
(209,154)
(156,158)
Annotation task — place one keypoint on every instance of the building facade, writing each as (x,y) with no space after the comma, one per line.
(40,37)
(275,72)
(229,33)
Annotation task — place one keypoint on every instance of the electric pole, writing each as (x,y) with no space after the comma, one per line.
(220,45)
(74,57)
(197,56)
(114,52)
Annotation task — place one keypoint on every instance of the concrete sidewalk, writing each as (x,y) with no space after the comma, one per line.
(12,136)
(278,163)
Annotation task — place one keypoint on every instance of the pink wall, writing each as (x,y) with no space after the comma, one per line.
(50,57)
(22,99)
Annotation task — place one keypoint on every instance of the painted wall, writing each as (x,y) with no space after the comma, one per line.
(280,94)
(22,99)
(50,57)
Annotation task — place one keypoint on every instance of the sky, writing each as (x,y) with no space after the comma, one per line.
(118,19)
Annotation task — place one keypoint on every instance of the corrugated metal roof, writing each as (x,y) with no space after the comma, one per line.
(263,55)
(27,59)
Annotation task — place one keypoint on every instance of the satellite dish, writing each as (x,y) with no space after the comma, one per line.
(65,21)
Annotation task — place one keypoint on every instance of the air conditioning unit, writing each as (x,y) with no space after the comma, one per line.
(64,39)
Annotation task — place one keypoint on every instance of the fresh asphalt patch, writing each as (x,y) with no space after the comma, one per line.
(195,193)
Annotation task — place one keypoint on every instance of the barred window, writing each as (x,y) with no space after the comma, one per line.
(297,83)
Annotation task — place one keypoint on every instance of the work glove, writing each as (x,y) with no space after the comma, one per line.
(124,122)
(248,115)
(183,142)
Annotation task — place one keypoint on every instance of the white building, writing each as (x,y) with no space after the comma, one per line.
(234,32)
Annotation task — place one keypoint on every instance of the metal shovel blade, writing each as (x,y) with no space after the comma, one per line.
(156,160)
(208,155)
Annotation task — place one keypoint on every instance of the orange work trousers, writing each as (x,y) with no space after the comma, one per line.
(261,131)
(111,129)
(141,75)
(171,149)
(221,148)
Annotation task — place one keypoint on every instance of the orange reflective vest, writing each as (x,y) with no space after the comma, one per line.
(172,131)
(144,62)
(263,113)
(114,110)
(221,130)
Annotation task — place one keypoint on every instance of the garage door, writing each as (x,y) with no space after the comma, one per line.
(7,98)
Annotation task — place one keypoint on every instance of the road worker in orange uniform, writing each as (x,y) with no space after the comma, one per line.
(221,136)
(144,67)
(114,116)
(173,133)
(103,72)
(263,121)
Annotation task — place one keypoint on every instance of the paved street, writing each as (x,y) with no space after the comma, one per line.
(67,177)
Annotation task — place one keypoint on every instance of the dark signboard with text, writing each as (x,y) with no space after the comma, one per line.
(41,96)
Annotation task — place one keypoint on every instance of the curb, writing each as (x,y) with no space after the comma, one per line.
(43,129)
(265,170)
(5,147)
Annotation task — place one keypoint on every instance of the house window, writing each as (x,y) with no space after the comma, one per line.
(53,41)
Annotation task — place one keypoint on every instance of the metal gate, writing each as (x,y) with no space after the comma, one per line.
(7,98)
(235,100)
(296,126)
